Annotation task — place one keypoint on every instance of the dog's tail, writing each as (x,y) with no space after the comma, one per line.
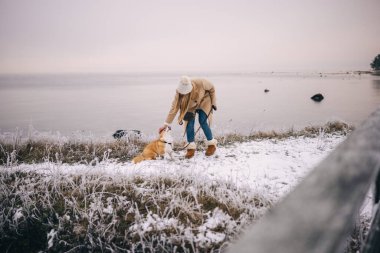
(138,159)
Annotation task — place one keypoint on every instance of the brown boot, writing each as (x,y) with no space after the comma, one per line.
(190,153)
(211,147)
(190,150)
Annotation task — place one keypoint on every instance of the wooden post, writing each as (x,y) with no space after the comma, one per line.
(372,244)
(318,215)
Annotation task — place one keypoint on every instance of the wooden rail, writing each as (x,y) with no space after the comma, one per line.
(318,215)
(372,244)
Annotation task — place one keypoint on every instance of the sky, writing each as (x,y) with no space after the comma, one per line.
(57,36)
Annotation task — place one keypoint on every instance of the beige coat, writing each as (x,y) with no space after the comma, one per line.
(202,97)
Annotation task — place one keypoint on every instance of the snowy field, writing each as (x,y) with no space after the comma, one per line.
(274,166)
(219,195)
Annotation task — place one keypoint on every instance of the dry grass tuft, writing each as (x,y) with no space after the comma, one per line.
(337,127)
(36,151)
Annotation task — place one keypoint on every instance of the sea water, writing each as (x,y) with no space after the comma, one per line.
(103,103)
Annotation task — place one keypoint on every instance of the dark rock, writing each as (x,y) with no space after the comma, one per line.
(317,97)
(266,90)
(126,133)
(118,134)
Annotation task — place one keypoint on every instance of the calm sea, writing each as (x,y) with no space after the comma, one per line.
(103,103)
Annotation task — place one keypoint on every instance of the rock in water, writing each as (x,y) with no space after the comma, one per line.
(317,97)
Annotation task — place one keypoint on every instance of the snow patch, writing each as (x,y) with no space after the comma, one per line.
(18,215)
(50,236)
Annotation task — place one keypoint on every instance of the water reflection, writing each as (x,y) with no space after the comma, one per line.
(376,84)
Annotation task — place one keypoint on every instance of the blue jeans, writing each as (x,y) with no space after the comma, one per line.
(203,122)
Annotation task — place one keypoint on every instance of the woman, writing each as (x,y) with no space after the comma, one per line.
(194,96)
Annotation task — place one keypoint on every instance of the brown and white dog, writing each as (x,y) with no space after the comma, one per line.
(161,147)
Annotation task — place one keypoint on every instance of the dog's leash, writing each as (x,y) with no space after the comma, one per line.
(200,125)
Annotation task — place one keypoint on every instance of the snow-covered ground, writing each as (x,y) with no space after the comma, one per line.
(270,168)
(275,166)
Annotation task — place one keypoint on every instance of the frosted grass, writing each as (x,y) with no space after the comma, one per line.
(134,212)
(197,205)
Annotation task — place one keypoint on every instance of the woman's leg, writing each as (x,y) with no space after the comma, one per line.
(190,131)
(204,124)
(190,139)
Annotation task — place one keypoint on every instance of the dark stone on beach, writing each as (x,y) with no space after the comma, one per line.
(118,134)
(266,90)
(121,133)
(317,97)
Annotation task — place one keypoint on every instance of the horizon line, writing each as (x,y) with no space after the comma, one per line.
(180,72)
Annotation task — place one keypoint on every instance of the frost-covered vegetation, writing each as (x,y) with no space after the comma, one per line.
(91,212)
(33,147)
(81,194)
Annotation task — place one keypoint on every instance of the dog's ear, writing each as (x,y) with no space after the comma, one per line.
(168,128)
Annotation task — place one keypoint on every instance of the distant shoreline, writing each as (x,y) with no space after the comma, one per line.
(191,73)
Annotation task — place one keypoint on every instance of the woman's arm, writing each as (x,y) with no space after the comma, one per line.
(208,86)
(172,112)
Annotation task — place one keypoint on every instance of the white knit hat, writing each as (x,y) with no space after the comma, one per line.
(184,86)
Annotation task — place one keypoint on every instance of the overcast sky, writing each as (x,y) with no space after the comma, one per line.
(187,35)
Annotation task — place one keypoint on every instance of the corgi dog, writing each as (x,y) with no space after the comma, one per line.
(161,147)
